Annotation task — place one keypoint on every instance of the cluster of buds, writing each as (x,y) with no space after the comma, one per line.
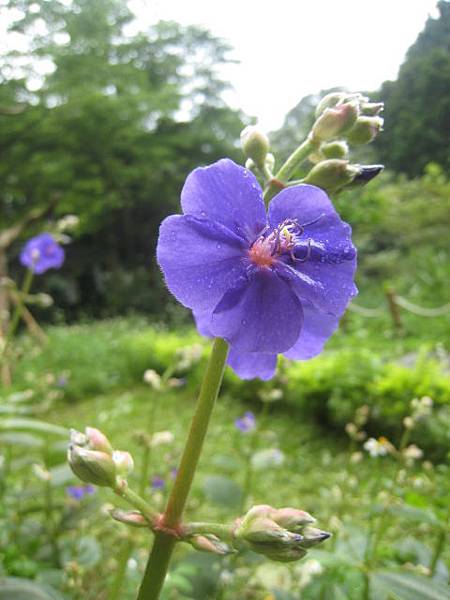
(93,460)
(343,119)
(283,535)
(351,117)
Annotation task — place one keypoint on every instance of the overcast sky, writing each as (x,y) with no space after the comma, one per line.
(290,48)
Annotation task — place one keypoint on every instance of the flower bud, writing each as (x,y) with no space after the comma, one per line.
(335,121)
(292,519)
(129,517)
(334,150)
(97,440)
(210,543)
(92,466)
(255,144)
(333,175)
(123,462)
(372,109)
(364,130)
(153,379)
(313,536)
(330,101)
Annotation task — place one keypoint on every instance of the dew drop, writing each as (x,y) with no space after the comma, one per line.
(243,322)
(218,246)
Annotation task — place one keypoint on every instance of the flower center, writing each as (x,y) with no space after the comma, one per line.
(271,244)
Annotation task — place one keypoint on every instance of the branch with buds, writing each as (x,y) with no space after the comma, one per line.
(283,534)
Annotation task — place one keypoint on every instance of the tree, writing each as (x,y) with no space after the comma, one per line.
(417,113)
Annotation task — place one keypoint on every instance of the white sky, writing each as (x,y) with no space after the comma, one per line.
(290,48)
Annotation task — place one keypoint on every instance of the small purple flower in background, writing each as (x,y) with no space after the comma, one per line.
(158,482)
(78,492)
(173,472)
(268,284)
(42,253)
(246,423)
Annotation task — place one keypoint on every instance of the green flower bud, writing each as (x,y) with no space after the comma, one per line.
(313,536)
(364,130)
(292,519)
(333,122)
(123,462)
(92,466)
(333,175)
(255,145)
(330,101)
(372,109)
(334,150)
(97,440)
(130,517)
(210,543)
(286,554)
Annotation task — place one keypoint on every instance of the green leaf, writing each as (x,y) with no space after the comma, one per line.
(222,490)
(33,425)
(15,588)
(400,585)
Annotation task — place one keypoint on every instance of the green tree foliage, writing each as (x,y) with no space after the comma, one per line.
(417,114)
(110,133)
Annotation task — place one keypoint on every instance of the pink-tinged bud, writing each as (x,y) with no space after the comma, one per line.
(333,122)
(92,466)
(123,462)
(333,175)
(330,101)
(364,130)
(210,543)
(255,145)
(130,517)
(313,536)
(97,440)
(292,519)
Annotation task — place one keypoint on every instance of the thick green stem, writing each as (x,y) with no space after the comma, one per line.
(158,562)
(289,167)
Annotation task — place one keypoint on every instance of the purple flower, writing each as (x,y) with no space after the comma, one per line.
(246,423)
(42,253)
(158,482)
(267,283)
(77,492)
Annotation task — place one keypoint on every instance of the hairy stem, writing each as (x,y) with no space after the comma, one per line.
(158,562)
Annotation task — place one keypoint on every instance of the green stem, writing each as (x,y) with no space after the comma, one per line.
(159,559)
(289,167)
(224,532)
(440,543)
(26,285)
(139,503)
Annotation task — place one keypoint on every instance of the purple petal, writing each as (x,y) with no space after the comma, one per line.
(317,328)
(42,253)
(203,322)
(248,365)
(200,260)
(260,315)
(228,194)
(324,274)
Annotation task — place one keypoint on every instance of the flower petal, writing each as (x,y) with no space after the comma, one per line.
(316,330)
(324,274)
(200,260)
(226,193)
(262,314)
(248,365)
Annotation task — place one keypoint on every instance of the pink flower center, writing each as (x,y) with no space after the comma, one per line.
(281,240)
